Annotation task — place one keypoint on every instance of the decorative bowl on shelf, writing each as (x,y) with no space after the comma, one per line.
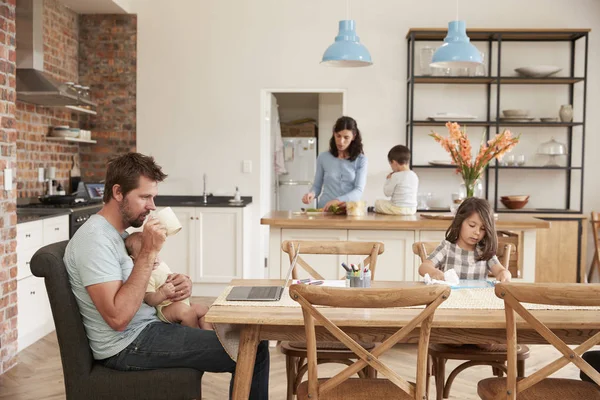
(520,197)
(514,204)
(515,113)
(538,71)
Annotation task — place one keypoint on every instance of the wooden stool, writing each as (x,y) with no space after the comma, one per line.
(440,353)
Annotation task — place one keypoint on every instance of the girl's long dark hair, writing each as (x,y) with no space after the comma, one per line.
(488,246)
(356,147)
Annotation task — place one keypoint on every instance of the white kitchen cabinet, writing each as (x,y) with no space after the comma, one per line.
(30,235)
(34,320)
(432,236)
(219,257)
(329,266)
(209,248)
(396,263)
(56,229)
(33,235)
(35,316)
(178,250)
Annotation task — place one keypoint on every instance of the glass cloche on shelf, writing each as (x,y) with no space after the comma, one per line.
(552,148)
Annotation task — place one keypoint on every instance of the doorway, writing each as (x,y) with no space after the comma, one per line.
(324,106)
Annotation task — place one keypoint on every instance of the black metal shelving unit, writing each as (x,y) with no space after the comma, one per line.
(498,36)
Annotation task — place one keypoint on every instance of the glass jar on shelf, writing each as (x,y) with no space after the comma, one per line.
(426,56)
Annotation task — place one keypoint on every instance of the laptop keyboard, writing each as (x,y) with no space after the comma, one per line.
(267,292)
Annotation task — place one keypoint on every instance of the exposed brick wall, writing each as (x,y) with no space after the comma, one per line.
(61,41)
(107,63)
(33,150)
(61,47)
(8,216)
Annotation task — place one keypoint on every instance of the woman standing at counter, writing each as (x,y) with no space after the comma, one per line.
(342,171)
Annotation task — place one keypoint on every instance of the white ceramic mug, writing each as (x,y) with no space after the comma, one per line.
(169,220)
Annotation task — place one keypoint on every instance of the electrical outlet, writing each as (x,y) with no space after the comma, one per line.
(41,174)
(247,166)
(8,179)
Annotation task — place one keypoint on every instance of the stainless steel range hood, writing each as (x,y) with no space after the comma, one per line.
(33,84)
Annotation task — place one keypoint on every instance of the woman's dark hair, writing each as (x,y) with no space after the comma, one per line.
(125,171)
(488,246)
(400,154)
(356,148)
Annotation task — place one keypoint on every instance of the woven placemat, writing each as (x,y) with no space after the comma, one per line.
(472,299)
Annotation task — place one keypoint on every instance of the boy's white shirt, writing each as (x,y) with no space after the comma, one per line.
(402,187)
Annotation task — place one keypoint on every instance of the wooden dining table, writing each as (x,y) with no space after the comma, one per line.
(451,326)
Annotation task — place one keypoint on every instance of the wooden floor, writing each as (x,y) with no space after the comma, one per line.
(38,374)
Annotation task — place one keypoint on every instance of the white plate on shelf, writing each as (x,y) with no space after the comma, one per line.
(233,201)
(441,163)
(516,119)
(538,71)
(451,116)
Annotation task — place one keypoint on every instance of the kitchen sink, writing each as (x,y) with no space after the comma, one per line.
(210,201)
(194,201)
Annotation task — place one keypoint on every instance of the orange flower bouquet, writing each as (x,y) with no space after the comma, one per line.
(459,147)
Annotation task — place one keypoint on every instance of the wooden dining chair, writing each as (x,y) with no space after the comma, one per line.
(341,386)
(439,354)
(538,385)
(596,256)
(327,352)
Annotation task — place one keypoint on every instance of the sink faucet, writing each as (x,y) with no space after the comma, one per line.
(204,194)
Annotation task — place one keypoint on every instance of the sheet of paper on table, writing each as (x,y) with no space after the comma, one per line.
(330,283)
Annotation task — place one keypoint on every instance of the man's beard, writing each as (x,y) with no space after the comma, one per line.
(128,218)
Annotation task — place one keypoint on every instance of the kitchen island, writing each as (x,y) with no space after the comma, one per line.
(398,233)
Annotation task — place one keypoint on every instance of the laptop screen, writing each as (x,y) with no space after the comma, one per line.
(292,265)
(95,190)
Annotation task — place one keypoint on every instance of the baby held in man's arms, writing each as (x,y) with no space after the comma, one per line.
(160,290)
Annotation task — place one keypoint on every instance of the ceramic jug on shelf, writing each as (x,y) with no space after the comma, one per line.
(566,113)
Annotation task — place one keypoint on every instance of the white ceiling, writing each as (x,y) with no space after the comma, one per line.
(96,6)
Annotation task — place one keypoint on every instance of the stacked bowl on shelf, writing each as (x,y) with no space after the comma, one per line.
(515,202)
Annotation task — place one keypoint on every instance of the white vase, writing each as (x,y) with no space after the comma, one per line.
(566,113)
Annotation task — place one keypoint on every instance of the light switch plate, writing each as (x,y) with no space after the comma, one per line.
(41,174)
(8,179)
(247,166)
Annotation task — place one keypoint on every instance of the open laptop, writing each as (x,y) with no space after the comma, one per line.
(262,293)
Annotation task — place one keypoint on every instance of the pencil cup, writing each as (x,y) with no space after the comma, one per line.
(365,282)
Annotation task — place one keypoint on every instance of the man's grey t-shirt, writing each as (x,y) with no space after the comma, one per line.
(97,254)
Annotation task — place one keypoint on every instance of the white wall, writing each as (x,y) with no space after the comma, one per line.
(202,65)
(331,107)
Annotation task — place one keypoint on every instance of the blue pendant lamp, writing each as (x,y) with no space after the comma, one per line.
(457,50)
(347,51)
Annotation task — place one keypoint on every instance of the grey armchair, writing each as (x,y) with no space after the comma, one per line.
(84,377)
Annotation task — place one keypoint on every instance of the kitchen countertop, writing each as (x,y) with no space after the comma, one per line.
(198,201)
(29,214)
(285,219)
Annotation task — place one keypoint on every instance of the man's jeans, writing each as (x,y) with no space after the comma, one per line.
(593,358)
(162,345)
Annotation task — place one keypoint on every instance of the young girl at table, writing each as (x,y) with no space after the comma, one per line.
(470,245)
